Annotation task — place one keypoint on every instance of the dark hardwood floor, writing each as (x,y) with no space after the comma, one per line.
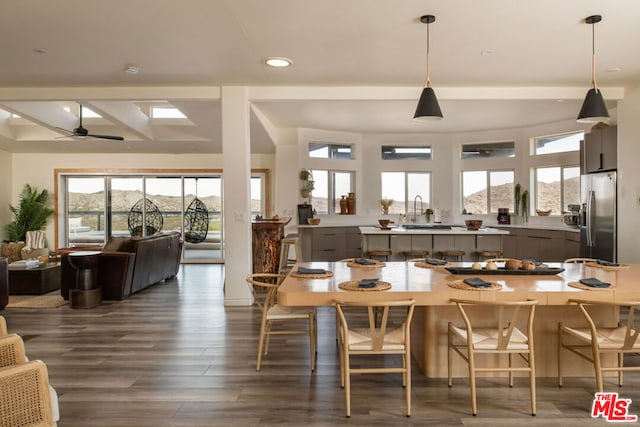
(173,355)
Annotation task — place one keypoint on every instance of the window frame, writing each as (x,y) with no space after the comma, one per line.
(555,138)
(427,201)
(333,150)
(333,206)
(562,180)
(487,173)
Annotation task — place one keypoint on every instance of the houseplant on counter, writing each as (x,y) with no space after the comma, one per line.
(31,214)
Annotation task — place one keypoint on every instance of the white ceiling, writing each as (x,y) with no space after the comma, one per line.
(358,66)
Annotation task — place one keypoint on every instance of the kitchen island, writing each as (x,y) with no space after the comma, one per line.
(431,238)
(429,287)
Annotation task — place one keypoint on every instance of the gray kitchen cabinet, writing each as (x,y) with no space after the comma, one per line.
(599,150)
(330,243)
(541,245)
(466,243)
(571,245)
(400,244)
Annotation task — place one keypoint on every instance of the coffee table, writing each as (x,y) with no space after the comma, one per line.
(36,280)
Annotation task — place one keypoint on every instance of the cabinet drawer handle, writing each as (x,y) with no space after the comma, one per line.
(539,237)
(328,250)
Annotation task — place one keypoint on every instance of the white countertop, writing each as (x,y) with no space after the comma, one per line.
(454,230)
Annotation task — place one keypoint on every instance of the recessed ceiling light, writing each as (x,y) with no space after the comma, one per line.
(278,62)
(613,69)
(131,69)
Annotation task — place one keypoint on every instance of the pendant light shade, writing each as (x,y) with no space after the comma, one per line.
(593,108)
(428,107)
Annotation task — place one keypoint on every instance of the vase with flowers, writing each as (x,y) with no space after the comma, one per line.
(385,203)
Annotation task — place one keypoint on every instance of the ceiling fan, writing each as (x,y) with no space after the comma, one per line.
(82,132)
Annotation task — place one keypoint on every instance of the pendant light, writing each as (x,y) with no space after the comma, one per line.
(428,108)
(593,108)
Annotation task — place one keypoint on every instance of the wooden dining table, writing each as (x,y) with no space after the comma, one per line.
(433,288)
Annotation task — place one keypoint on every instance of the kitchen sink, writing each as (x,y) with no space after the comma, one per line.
(426,227)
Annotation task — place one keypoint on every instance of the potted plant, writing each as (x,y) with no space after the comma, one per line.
(31,213)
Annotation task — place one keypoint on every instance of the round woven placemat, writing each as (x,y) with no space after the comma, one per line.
(423,264)
(606,267)
(377,264)
(588,288)
(353,285)
(311,276)
(459,284)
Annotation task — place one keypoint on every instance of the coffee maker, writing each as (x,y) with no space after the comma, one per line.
(503,216)
(572,218)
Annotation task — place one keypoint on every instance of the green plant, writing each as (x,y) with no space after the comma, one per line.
(517,199)
(30,214)
(525,206)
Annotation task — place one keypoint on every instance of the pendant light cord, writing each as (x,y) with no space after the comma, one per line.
(593,56)
(427,83)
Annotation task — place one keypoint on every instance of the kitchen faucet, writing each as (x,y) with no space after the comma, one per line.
(415,212)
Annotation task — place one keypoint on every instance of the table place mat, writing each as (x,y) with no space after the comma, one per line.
(423,264)
(459,284)
(375,264)
(354,285)
(579,285)
(594,264)
(324,275)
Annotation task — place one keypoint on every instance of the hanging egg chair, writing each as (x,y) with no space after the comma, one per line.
(152,218)
(196,222)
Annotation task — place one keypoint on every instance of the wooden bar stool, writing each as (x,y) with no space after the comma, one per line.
(381,255)
(482,255)
(414,254)
(456,255)
(285,246)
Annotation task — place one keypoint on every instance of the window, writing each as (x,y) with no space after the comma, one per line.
(488,149)
(323,150)
(406,189)
(96,207)
(475,197)
(329,186)
(394,152)
(166,113)
(557,187)
(558,143)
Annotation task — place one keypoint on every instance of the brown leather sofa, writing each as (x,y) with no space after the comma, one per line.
(128,265)
(4,283)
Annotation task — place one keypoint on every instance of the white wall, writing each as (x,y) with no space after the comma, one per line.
(629,176)
(5,191)
(445,165)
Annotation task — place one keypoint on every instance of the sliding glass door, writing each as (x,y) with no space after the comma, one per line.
(98,207)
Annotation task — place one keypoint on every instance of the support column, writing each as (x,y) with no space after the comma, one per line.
(236,192)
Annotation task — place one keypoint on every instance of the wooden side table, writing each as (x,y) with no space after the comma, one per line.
(86,294)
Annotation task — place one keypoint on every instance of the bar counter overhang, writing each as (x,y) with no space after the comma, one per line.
(429,288)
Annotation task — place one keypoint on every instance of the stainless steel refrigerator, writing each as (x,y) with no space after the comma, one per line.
(598,235)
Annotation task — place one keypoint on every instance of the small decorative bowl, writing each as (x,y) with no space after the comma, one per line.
(543,213)
(473,224)
(313,221)
(384,223)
